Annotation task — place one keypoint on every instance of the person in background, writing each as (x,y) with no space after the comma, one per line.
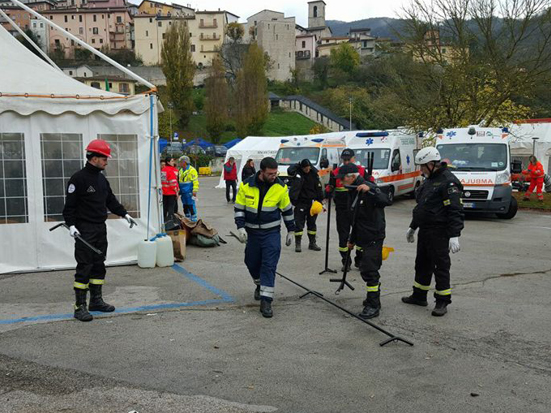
(169,180)
(248,170)
(230,176)
(535,170)
(189,186)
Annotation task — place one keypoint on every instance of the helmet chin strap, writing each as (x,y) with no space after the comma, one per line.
(431,171)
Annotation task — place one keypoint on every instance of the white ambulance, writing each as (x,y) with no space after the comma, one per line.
(322,151)
(393,164)
(481,159)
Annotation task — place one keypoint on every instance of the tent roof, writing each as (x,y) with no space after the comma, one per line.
(29,84)
(199,142)
(232,143)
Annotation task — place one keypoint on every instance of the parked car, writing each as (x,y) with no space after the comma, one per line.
(220,151)
(172,149)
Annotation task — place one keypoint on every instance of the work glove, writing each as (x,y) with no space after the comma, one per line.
(410,235)
(130,221)
(242,234)
(454,245)
(289,239)
(73,231)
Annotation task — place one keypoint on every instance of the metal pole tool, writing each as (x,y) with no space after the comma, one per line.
(78,237)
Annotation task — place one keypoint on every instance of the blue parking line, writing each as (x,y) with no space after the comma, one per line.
(225,298)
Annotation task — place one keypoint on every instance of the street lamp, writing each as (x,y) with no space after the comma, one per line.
(170,106)
(350,102)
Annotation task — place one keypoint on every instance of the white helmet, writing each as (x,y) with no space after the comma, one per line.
(427,155)
(184,159)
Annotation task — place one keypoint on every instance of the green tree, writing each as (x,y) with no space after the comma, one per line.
(321,71)
(217,101)
(472,61)
(344,57)
(179,69)
(251,94)
(30,34)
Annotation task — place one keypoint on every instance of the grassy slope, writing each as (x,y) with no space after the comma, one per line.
(278,124)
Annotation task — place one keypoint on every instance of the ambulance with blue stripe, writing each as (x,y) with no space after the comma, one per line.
(481,159)
(393,165)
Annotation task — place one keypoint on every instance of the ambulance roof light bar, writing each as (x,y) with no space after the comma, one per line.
(371,134)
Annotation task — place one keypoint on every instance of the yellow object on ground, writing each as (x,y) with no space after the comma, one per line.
(205,170)
(316,208)
(387,251)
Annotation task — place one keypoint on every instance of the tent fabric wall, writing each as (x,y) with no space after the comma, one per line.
(522,144)
(253,147)
(36,99)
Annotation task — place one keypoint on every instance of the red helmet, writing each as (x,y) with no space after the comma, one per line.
(99,146)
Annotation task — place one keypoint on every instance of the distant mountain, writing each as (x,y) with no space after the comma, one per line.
(380,26)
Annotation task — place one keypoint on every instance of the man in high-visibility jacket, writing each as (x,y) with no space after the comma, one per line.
(536,172)
(189,186)
(261,202)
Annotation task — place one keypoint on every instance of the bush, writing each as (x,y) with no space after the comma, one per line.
(200,160)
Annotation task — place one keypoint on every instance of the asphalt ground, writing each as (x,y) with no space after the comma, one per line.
(191,339)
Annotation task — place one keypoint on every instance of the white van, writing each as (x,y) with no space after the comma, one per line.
(393,164)
(322,150)
(481,160)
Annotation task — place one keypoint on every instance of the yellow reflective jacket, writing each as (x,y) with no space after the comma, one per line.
(188,179)
(254,210)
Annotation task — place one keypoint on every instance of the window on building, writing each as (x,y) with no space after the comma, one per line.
(93,41)
(65,18)
(57,43)
(151,19)
(124,88)
(164,35)
(315,11)
(95,30)
(215,22)
(160,24)
(101,41)
(72,42)
(70,73)
(277,36)
(62,156)
(110,85)
(123,171)
(192,48)
(41,25)
(103,16)
(81,30)
(151,45)
(95,85)
(51,17)
(119,19)
(303,44)
(72,17)
(80,18)
(146,33)
(13,179)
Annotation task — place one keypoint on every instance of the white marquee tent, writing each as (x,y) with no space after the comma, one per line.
(46,121)
(252,147)
(522,144)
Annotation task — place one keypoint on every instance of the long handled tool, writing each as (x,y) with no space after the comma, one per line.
(375,326)
(78,237)
(327,237)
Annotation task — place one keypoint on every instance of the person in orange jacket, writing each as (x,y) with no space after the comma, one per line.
(169,180)
(536,172)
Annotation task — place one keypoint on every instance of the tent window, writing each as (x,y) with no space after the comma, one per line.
(62,156)
(122,171)
(13,179)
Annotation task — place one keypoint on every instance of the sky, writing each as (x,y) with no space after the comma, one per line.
(345,10)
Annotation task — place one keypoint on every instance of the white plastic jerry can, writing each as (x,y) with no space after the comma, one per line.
(147,254)
(165,252)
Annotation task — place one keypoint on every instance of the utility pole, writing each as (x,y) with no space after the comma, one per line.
(350,101)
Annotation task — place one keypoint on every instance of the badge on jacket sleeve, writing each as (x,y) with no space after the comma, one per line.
(71,189)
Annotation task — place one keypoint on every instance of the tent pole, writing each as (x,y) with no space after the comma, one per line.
(150,163)
(27,38)
(86,46)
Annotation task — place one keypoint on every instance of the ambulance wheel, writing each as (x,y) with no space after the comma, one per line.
(390,194)
(513,208)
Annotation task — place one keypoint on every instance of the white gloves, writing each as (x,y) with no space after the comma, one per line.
(73,231)
(242,234)
(289,239)
(130,220)
(410,235)
(454,245)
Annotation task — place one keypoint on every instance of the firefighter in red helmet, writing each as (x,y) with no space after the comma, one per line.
(88,198)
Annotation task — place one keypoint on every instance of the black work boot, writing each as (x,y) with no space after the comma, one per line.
(298,241)
(372,306)
(266,308)
(419,297)
(81,310)
(96,300)
(257,293)
(313,246)
(440,309)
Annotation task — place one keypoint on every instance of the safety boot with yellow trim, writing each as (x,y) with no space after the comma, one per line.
(81,310)
(96,300)
(419,297)
(440,309)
